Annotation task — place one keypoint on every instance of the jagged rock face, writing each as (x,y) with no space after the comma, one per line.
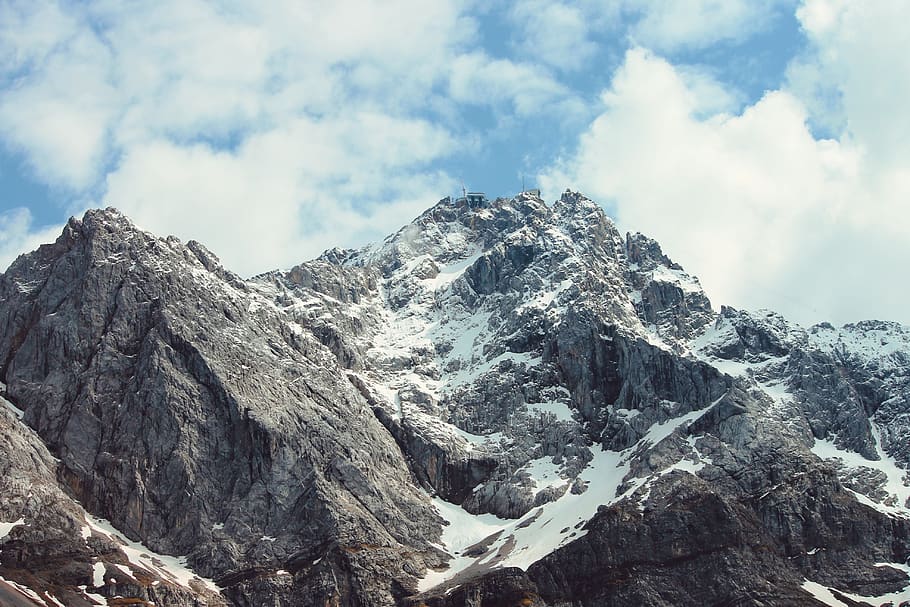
(852,384)
(511,359)
(665,296)
(524,329)
(691,542)
(533,336)
(200,420)
(48,545)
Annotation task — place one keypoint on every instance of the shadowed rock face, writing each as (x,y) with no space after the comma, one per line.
(53,549)
(287,433)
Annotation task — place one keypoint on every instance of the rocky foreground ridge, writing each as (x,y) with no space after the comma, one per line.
(508,403)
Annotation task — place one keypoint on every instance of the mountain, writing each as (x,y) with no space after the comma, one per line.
(504,403)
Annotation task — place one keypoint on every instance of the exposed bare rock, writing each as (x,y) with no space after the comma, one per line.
(200,420)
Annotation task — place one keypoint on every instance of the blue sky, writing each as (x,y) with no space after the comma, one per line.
(765,143)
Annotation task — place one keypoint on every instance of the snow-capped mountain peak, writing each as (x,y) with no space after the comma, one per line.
(505,400)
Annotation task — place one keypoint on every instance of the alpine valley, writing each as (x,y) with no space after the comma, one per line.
(506,403)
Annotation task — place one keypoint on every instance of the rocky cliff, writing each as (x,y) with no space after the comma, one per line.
(504,404)
(187,410)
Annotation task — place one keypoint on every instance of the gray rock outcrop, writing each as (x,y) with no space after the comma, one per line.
(194,416)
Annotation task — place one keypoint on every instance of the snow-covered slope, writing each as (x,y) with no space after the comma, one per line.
(846,390)
(456,332)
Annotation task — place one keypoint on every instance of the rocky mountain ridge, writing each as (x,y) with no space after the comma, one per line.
(508,403)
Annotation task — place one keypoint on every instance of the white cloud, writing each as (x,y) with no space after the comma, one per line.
(525,88)
(764,213)
(276,122)
(21,42)
(555,33)
(818,17)
(286,194)
(57,107)
(270,131)
(569,34)
(309,120)
(670,25)
(856,75)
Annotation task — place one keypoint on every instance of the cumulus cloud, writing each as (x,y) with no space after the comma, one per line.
(570,34)
(270,131)
(285,194)
(766,214)
(855,76)
(56,107)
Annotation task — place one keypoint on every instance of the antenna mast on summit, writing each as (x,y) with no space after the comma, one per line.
(464,192)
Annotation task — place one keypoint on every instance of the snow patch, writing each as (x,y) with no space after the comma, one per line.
(5,528)
(167,567)
(686,283)
(519,543)
(473,440)
(24,590)
(825,594)
(561,411)
(878,341)
(53,599)
(822,594)
(543,300)
(659,432)
(97,598)
(449,273)
(544,473)
(895,475)
(126,570)
(98,574)
(471,373)
(691,466)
